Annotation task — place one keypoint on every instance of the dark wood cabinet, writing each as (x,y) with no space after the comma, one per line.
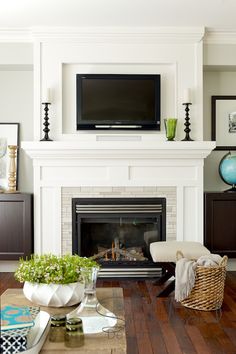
(16,226)
(220,223)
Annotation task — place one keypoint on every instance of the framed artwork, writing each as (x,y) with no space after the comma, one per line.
(9,135)
(223,122)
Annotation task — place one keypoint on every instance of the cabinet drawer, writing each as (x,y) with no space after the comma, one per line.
(16,226)
(220,223)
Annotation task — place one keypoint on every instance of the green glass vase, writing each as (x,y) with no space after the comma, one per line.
(170,127)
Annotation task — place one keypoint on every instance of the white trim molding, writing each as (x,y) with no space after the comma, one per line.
(162,34)
(220,37)
(59,150)
(15,35)
(121,34)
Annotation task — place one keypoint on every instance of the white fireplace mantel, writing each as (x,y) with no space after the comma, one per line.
(118,149)
(119,162)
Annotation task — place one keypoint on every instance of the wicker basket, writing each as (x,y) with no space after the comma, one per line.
(208,291)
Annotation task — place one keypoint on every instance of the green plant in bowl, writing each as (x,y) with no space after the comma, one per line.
(49,268)
(51,280)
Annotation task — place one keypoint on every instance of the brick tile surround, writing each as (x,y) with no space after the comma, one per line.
(114,192)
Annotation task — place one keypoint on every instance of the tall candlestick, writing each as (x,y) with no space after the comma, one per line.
(46,122)
(187,123)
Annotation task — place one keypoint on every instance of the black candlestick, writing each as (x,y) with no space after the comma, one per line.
(46,123)
(187,124)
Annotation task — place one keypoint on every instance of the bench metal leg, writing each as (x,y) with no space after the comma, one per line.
(167,290)
(169,271)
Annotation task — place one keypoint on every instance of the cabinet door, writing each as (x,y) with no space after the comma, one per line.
(220,223)
(16,221)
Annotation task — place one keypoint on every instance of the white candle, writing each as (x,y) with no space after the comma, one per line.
(187,96)
(47,96)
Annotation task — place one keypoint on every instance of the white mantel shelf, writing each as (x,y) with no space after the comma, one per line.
(119,163)
(118,149)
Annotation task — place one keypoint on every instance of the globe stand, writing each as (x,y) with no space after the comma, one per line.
(231,190)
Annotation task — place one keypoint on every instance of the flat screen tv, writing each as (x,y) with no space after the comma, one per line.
(105,101)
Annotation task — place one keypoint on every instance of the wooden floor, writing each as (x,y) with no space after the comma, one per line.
(161,326)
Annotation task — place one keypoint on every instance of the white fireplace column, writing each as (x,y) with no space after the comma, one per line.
(60,164)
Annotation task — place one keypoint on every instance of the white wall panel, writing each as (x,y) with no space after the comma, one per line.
(169,174)
(50,240)
(191,210)
(176,56)
(75,173)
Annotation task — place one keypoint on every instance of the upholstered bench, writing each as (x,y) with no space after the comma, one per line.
(164,254)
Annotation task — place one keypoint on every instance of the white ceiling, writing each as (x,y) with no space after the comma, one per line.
(214,14)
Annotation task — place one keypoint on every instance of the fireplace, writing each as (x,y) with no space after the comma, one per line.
(117,232)
(146,167)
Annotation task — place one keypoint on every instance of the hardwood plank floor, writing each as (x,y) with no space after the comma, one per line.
(162,326)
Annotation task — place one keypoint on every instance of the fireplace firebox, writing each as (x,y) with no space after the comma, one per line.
(117,232)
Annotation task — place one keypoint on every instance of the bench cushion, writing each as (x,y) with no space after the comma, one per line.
(165,251)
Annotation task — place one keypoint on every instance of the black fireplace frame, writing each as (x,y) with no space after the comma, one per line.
(155,201)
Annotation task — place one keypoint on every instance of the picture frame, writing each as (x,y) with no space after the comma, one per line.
(9,135)
(223,122)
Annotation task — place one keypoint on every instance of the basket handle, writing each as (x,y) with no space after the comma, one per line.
(223,261)
(179,255)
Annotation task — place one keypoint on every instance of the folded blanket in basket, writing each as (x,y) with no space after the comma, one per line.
(184,278)
(185,273)
(209,260)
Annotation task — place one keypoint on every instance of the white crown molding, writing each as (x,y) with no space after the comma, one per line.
(121,34)
(104,34)
(118,34)
(220,37)
(15,35)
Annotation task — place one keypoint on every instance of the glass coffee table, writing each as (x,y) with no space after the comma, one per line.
(110,341)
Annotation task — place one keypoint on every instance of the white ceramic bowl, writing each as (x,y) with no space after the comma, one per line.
(54,295)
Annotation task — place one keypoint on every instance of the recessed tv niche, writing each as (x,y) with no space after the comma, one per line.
(118,101)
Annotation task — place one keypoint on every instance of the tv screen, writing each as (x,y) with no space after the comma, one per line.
(118,101)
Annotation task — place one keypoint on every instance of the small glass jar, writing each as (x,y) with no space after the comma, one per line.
(74,336)
(58,329)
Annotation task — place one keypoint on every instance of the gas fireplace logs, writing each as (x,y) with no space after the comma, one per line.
(116,253)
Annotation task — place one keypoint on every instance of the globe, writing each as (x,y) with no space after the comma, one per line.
(227,170)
